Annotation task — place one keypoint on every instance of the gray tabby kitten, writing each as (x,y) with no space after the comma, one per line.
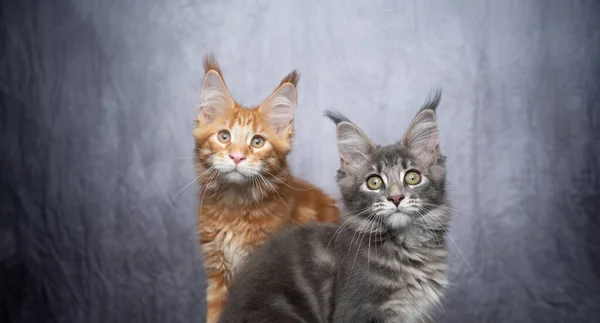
(385,263)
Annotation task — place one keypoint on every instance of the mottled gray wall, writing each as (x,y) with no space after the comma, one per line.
(97,103)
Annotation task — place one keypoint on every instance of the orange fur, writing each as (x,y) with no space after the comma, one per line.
(236,218)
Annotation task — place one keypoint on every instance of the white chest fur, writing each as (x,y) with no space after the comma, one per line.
(412,304)
(235,252)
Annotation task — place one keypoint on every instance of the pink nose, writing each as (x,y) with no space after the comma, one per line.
(395,199)
(237,158)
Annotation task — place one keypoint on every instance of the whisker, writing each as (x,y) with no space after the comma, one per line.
(370,223)
(348,221)
(263,192)
(213,176)
(369,245)
(341,227)
(211,169)
(371,231)
(452,210)
(380,222)
(358,230)
(186,186)
(457,248)
(274,190)
(255,185)
(286,184)
(359,243)
(427,224)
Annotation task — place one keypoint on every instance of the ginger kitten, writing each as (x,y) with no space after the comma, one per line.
(247,192)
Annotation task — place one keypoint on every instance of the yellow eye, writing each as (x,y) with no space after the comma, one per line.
(412,178)
(374,182)
(224,136)
(257,141)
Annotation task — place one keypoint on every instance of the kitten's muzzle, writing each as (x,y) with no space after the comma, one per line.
(396,199)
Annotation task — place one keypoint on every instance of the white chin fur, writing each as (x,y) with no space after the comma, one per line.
(235,177)
(232,174)
(397,220)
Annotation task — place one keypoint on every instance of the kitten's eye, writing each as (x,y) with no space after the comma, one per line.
(224,136)
(412,178)
(257,141)
(374,182)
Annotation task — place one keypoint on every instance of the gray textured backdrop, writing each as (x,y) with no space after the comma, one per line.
(98,99)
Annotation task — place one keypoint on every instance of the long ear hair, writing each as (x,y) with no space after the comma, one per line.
(280,107)
(354,146)
(215,98)
(422,136)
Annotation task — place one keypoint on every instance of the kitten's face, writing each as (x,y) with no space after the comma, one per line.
(389,187)
(237,145)
(393,187)
(241,145)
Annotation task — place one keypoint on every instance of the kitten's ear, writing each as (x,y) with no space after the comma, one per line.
(280,107)
(354,146)
(215,98)
(422,136)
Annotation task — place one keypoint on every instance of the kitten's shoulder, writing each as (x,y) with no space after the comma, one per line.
(312,203)
(304,241)
(285,250)
(274,270)
(314,230)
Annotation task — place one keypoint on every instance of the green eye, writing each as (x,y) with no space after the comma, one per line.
(224,136)
(374,182)
(257,141)
(412,178)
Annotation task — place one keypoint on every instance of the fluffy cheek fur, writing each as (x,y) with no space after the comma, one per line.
(354,200)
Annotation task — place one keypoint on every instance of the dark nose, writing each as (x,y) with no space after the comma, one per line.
(396,199)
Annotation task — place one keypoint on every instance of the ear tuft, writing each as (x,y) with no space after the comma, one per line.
(280,108)
(335,116)
(211,64)
(293,77)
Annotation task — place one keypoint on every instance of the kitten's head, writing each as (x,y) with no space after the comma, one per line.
(390,187)
(234,144)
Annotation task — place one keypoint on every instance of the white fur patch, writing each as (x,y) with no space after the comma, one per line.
(397,220)
(235,253)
